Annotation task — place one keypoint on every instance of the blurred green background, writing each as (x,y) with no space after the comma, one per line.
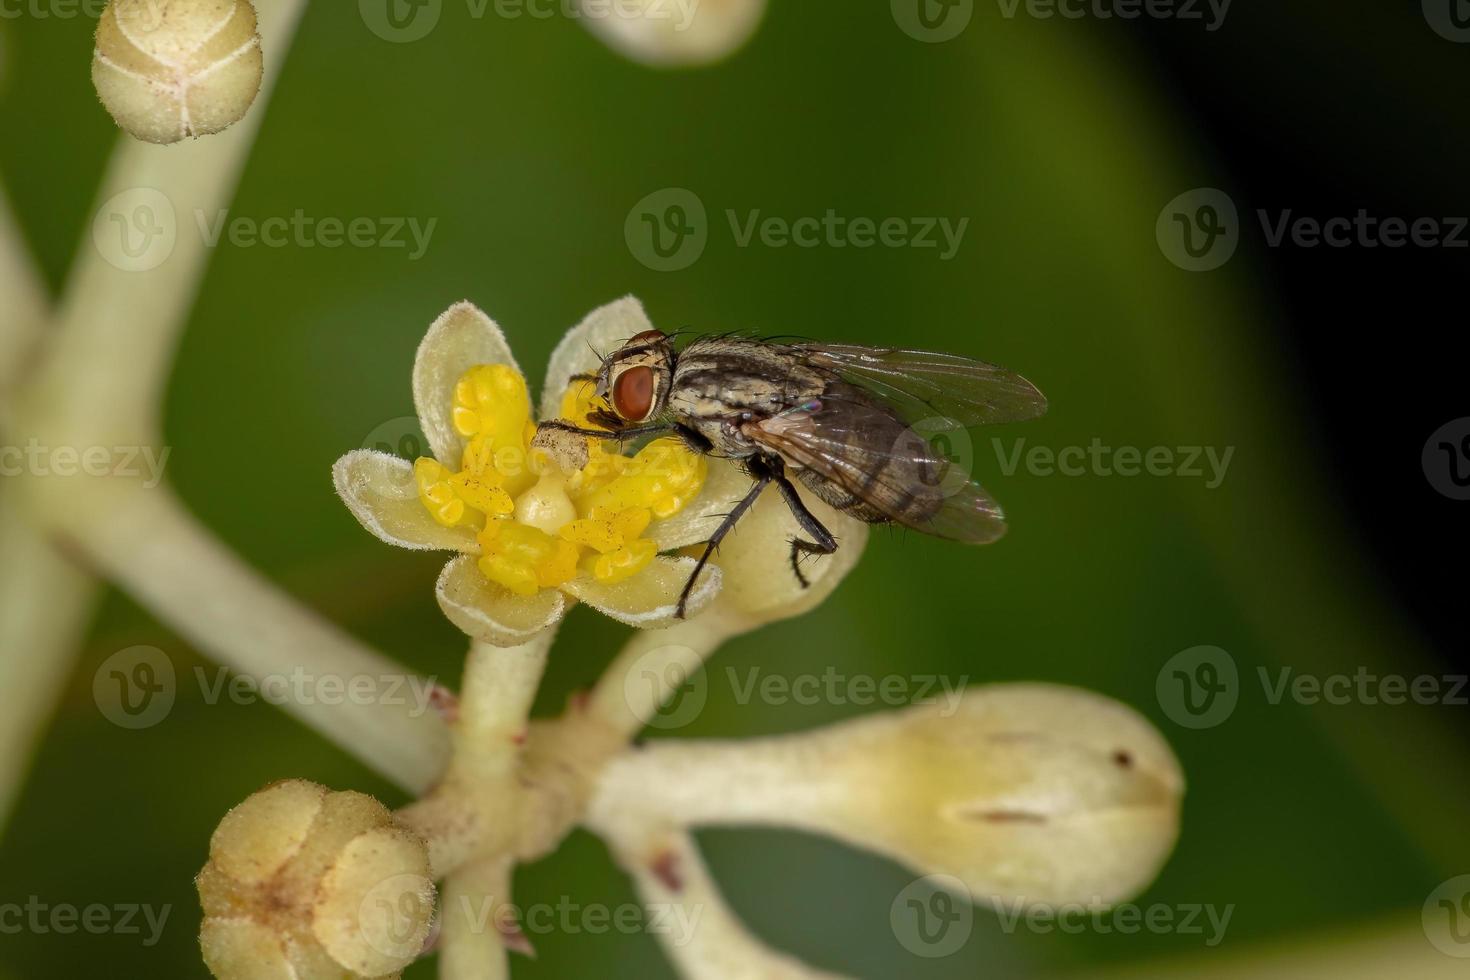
(528,142)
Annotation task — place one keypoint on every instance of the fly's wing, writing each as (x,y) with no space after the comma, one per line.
(862,447)
(950,391)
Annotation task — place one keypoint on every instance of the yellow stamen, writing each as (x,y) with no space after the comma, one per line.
(534,522)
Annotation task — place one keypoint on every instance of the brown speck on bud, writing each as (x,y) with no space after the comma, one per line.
(444,702)
(665,867)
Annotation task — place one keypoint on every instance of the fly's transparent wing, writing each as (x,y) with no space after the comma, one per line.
(924,385)
(860,446)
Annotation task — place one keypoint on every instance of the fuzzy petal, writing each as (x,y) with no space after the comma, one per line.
(648,599)
(581,350)
(662,35)
(460,339)
(724,486)
(756,558)
(492,613)
(381,492)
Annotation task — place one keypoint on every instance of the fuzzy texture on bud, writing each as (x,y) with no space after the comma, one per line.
(170,69)
(307,884)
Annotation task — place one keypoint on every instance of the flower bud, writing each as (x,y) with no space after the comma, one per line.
(1027,793)
(671,34)
(171,69)
(307,884)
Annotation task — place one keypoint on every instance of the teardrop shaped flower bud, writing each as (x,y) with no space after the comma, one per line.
(1027,793)
(170,69)
(307,884)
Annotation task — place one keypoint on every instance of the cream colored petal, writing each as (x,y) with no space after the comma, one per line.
(581,350)
(491,612)
(648,600)
(723,488)
(672,34)
(381,492)
(756,558)
(460,339)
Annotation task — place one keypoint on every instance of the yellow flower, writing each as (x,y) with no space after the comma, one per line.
(534,539)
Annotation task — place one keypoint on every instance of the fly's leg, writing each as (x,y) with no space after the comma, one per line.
(823,544)
(630,432)
(762,480)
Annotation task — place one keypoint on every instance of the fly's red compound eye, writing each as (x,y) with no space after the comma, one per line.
(647,337)
(632,394)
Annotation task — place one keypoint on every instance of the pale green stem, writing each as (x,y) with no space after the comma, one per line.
(117,330)
(704,937)
(45,606)
(164,558)
(23,309)
(476,811)
(653,664)
(769,781)
(499,686)
(471,944)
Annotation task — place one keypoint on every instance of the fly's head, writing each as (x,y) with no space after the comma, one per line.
(635,379)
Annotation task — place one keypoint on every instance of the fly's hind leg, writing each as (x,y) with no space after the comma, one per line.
(823,542)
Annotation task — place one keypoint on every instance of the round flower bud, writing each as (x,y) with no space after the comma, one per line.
(170,69)
(674,35)
(307,884)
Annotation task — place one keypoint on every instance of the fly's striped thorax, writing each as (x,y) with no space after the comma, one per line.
(726,377)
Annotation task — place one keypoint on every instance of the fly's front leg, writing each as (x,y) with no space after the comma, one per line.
(822,543)
(630,432)
(762,480)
